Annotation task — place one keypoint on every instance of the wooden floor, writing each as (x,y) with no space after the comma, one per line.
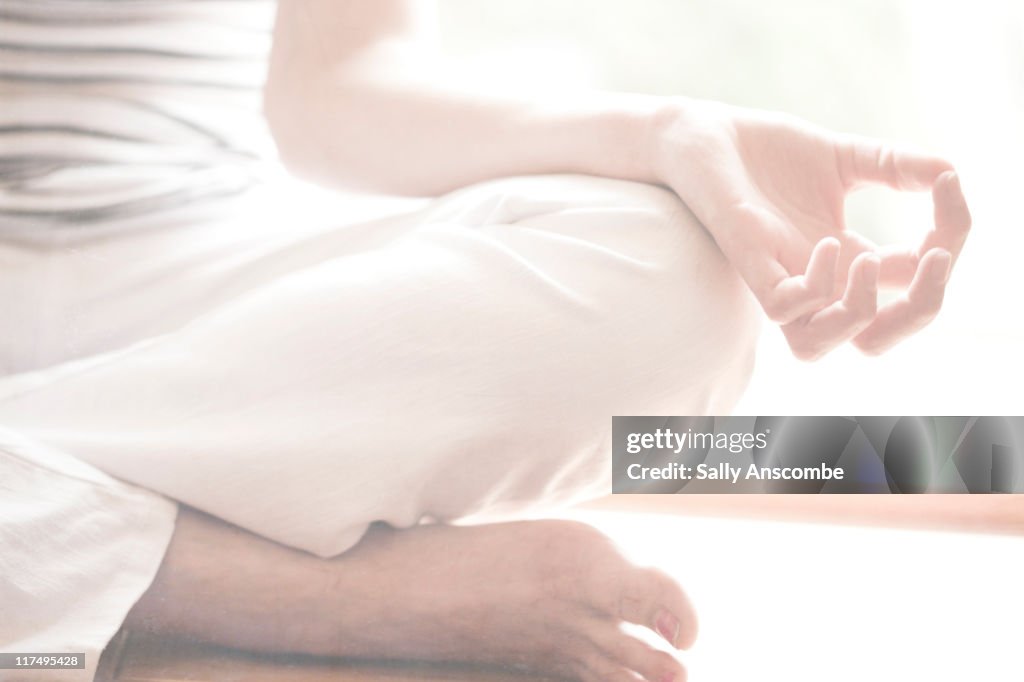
(990,514)
(132,657)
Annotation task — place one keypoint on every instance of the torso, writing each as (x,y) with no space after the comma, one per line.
(115,111)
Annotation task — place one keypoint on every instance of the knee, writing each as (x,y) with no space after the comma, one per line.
(677,327)
(614,300)
(626,299)
(696,319)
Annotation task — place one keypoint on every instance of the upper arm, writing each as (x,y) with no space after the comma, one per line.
(320,45)
(323,34)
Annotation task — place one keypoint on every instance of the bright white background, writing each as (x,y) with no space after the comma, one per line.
(792,602)
(944,75)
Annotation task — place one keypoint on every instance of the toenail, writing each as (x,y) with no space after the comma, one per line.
(667,626)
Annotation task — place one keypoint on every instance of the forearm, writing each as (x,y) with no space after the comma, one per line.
(395,130)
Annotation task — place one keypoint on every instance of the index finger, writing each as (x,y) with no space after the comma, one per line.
(952,217)
(910,312)
(952,225)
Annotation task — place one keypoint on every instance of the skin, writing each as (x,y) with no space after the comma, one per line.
(356,96)
(538,595)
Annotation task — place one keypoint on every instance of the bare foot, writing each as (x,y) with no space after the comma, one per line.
(547,595)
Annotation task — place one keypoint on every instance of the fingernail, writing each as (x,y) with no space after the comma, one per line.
(669,677)
(940,269)
(950,182)
(667,626)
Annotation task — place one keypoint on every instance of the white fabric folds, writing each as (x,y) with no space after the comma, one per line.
(303,375)
(77,550)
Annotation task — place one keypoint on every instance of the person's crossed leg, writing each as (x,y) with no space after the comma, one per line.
(465,370)
(540,595)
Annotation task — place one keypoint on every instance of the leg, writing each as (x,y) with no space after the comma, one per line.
(548,595)
(468,365)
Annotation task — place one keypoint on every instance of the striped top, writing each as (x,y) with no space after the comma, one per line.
(114,112)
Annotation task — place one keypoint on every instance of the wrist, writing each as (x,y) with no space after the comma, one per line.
(682,131)
(631,148)
(604,134)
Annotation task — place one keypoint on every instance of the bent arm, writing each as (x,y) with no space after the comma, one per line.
(357,96)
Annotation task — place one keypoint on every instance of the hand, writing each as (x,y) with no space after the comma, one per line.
(770,188)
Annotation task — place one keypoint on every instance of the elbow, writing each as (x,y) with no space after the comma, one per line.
(312,136)
(287,113)
(325,134)
(299,122)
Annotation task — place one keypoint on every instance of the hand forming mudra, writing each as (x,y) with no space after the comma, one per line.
(771,188)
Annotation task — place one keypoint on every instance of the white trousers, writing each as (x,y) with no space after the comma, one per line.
(303,376)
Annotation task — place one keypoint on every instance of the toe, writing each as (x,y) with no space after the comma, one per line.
(606,582)
(652,598)
(637,656)
(601,668)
